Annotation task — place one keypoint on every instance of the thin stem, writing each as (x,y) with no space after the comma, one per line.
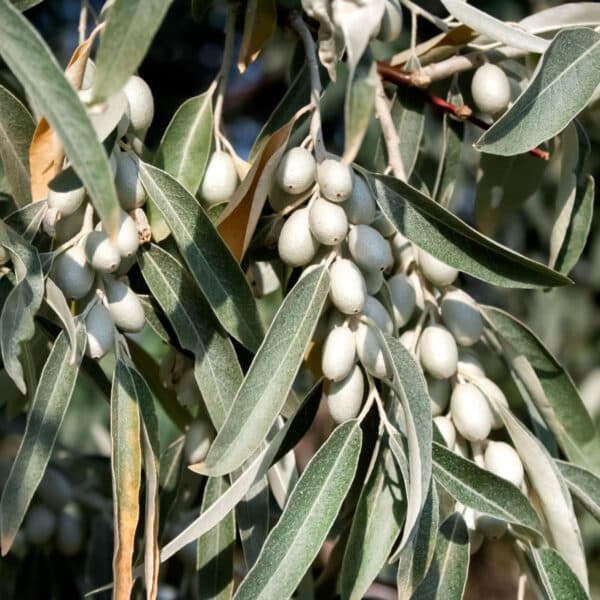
(223,74)
(413,32)
(390,135)
(477,452)
(310,49)
(415,9)
(83,15)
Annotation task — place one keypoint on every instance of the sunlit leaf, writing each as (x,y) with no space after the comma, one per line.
(583,485)
(260,23)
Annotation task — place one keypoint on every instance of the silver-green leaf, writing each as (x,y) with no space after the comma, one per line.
(583,485)
(557,579)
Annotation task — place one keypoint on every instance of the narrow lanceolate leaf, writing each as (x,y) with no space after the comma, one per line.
(215,270)
(493,28)
(409,116)
(569,14)
(311,511)
(376,524)
(27,220)
(483,491)
(27,55)
(415,559)
(552,492)
(562,84)
(412,391)
(551,389)
(358,106)
(216,548)
(25,4)
(185,145)
(16,131)
(126,463)
(47,411)
(439,232)
(56,300)
(447,576)
(270,376)
(21,305)
(583,485)
(217,369)
(557,579)
(127,35)
(259,24)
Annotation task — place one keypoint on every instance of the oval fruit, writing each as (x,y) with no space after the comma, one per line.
(101,252)
(502,460)
(360,206)
(435,271)
(198,439)
(404,299)
(373,280)
(347,287)
(490,89)
(391,22)
(296,245)
(462,317)
(263,278)
(376,311)
(128,239)
(490,527)
(328,222)
(438,352)
(72,274)
(345,397)
(66,203)
(335,180)
(69,531)
(188,392)
(296,171)
(495,396)
(439,394)
(141,103)
(447,430)
(100,331)
(124,306)
(470,412)
(55,490)
(127,181)
(40,524)
(468,364)
(339,353)
(370,352)
(370,250)
(220,179)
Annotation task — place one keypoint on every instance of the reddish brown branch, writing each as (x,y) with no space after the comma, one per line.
(464,113)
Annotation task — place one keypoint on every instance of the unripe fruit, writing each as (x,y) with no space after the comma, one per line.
(69,531)
(220,179)
(100,331)
(495,396)
(188,392)
(490,89)
(328,222)
(382,224)
(297,246)
(129,186)
(128,240)
(263,278)
(55,490)
(407,339)
(141,103)
(124,306)
(345,397)
(66,203)
(113,163)
(490,527)
(40,524)
(88,75)
(72,274)
(468,364)
(439,394)
(402,251)
(437,272)
(447,430)
(415,281)
(347,288)
(335,180)
(403,299)
(376,311)
(391,22)
(462,317)
(101,252)
(360,206)
(369,248)
(370,352)
(339,353)
(198,439)
(296,171)
(68,227)
(475,537)
(373,280)
(502,460)
(438,352)
(470,412)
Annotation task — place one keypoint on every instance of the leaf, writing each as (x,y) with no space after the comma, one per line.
(259,25)
(283,476)
(21,305)
(483,491)
(185,145)
(358,106)
(26,54)
(445,236)
(216,548)
(569,14)
(126,462)
(411,389)
(561,86)
(215,270)
(449,170)
(493,28)
(558,581)
(217,369)
(583,485)
(27,220)
(551,389)
(575,202)
(409,117)
(56,300)
(270,376)
(25,4)
(238,221)
(376,524)
(555,502)
(312,508)
(128,32)
(48,408)
(415,559)
(16,131)
(447,575)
